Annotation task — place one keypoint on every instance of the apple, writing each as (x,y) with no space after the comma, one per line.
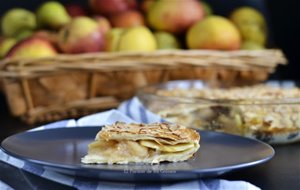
(109,7)
(166,40)
(32,47)
(250,45)
(103,23)
(174,16)
(214,32)
(53,15)
(50,36)
(138,38)
(145,5)
(251,24)
(75,10)
(127,19)
(16,21)
(82,35)
(207,8)
(5,45)
(112,39)
(24,34)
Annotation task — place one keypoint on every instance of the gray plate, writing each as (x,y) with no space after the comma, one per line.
(61,150)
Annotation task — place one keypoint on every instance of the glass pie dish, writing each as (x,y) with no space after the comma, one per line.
(269,112)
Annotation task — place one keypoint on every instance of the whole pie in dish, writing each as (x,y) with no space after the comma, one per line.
(264,112)
(123,143)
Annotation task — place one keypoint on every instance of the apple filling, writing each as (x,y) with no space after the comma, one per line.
(124,151)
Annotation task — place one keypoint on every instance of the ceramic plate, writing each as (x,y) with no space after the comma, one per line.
(61,150)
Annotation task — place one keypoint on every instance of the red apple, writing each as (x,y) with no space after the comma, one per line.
(103,23)
(109,7)
(127,19)
(82,35)
(76,10)
(32,47)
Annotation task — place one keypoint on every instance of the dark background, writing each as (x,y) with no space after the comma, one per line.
(282,16)
(284,26)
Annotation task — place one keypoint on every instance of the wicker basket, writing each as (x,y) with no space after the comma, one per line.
(48,89)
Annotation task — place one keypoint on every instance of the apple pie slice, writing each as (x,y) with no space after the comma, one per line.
(123,143)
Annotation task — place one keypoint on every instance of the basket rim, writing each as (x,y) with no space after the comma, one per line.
(249,53)
(266,59)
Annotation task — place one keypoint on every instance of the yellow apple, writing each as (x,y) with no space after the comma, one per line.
(214,32)
(138,38)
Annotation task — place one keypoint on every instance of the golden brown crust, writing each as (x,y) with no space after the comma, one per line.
(164,133)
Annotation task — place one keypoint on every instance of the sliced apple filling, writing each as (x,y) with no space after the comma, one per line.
(117,150)
(144,148)
(166,148)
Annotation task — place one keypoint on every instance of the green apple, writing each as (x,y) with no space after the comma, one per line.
(251,24)
(207,8)
(53,15)
(249,45)
(166,40)
(112,39)
(5,45)
(254,33)
(24,34)
(17,20)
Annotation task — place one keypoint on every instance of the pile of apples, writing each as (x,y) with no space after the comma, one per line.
(127,25)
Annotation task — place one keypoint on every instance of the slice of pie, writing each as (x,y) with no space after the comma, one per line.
(123,143)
